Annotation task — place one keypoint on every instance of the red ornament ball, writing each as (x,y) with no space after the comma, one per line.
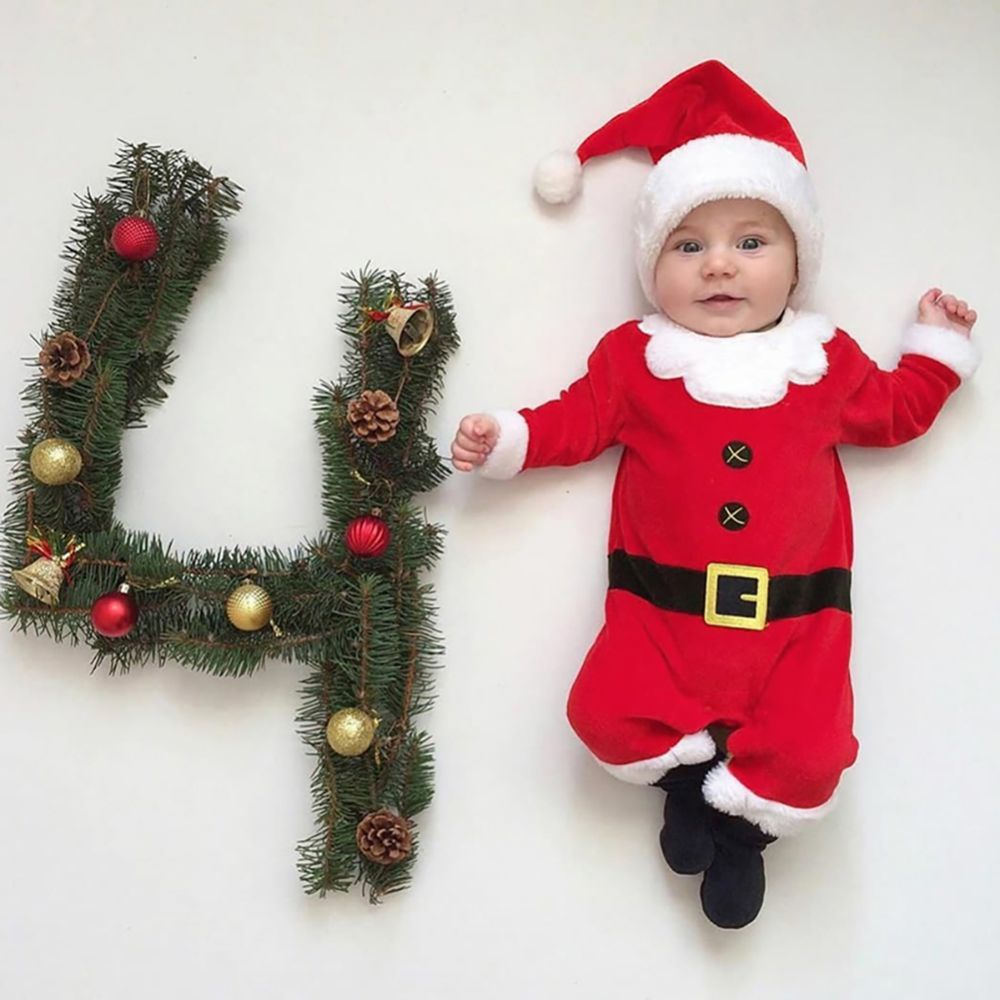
(135,238)
(367,535)
(114,614)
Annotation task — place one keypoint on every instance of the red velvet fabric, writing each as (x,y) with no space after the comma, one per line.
(652,675)
(707,99)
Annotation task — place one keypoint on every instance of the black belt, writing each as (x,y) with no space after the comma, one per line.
(727,594)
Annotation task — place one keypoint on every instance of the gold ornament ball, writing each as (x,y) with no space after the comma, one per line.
(249,607)
(350,732)
(55,461)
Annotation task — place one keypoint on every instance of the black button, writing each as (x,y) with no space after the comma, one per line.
(733,516)
(737,454)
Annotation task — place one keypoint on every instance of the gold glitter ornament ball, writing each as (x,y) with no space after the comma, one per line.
(350,732)
(249,607)
(55,461)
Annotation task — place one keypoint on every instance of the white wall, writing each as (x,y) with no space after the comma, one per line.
(148,823)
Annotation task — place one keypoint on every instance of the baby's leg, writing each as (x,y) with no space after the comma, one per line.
(786,760)
(627,707)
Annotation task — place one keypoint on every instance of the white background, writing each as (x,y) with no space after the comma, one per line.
(148,823)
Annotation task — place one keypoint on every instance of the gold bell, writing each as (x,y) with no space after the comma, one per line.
(410,326)
(42,580)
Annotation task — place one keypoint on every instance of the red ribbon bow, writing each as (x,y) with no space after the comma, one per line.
(41,547)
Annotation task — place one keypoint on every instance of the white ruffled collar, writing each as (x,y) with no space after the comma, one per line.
(748,371)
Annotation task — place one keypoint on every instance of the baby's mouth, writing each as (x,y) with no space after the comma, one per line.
(720,301)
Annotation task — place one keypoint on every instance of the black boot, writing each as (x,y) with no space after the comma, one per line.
(686,837)
(733,888)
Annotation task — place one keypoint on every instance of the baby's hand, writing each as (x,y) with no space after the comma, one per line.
(945,310)
(477,435)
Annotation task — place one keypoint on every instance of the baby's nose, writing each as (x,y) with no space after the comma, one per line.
(718,262)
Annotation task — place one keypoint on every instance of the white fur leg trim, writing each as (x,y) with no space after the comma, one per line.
(728,795)
(507,458)
(692,749)
(949,347)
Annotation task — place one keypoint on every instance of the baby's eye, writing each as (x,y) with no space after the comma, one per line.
(750,243)
(689,246)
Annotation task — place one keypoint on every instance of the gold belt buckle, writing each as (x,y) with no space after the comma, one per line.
(758,620)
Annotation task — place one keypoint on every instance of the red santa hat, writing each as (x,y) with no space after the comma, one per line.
(710,136)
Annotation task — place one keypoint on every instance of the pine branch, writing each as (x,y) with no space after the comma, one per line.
(364,627)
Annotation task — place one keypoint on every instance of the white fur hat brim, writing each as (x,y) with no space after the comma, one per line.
(727,166)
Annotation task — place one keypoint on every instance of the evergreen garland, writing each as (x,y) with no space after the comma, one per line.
(363,626)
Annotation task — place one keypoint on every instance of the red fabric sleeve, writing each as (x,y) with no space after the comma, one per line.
(886,408)
(584,420)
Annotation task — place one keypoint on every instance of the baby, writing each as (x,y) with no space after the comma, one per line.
(730,543)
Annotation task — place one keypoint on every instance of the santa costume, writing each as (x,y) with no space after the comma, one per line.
(730,544)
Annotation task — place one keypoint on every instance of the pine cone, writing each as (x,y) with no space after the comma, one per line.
(64,358)
(384,837)
(373,416)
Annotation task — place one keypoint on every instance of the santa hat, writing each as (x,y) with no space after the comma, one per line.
(710,136)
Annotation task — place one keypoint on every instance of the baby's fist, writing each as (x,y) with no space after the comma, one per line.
(476,437)
(938,309)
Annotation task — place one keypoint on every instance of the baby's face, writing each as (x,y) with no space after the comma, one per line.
(727,268)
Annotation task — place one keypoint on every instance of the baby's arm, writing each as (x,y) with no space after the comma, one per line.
(886,408)
(575,427)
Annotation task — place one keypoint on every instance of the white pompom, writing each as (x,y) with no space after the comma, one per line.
(558,177)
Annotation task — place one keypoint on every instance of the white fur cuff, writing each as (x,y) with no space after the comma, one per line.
(949,347)
(692,749)
(728,795)
(507,458)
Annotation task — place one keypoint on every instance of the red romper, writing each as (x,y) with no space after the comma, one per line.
(729,483)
